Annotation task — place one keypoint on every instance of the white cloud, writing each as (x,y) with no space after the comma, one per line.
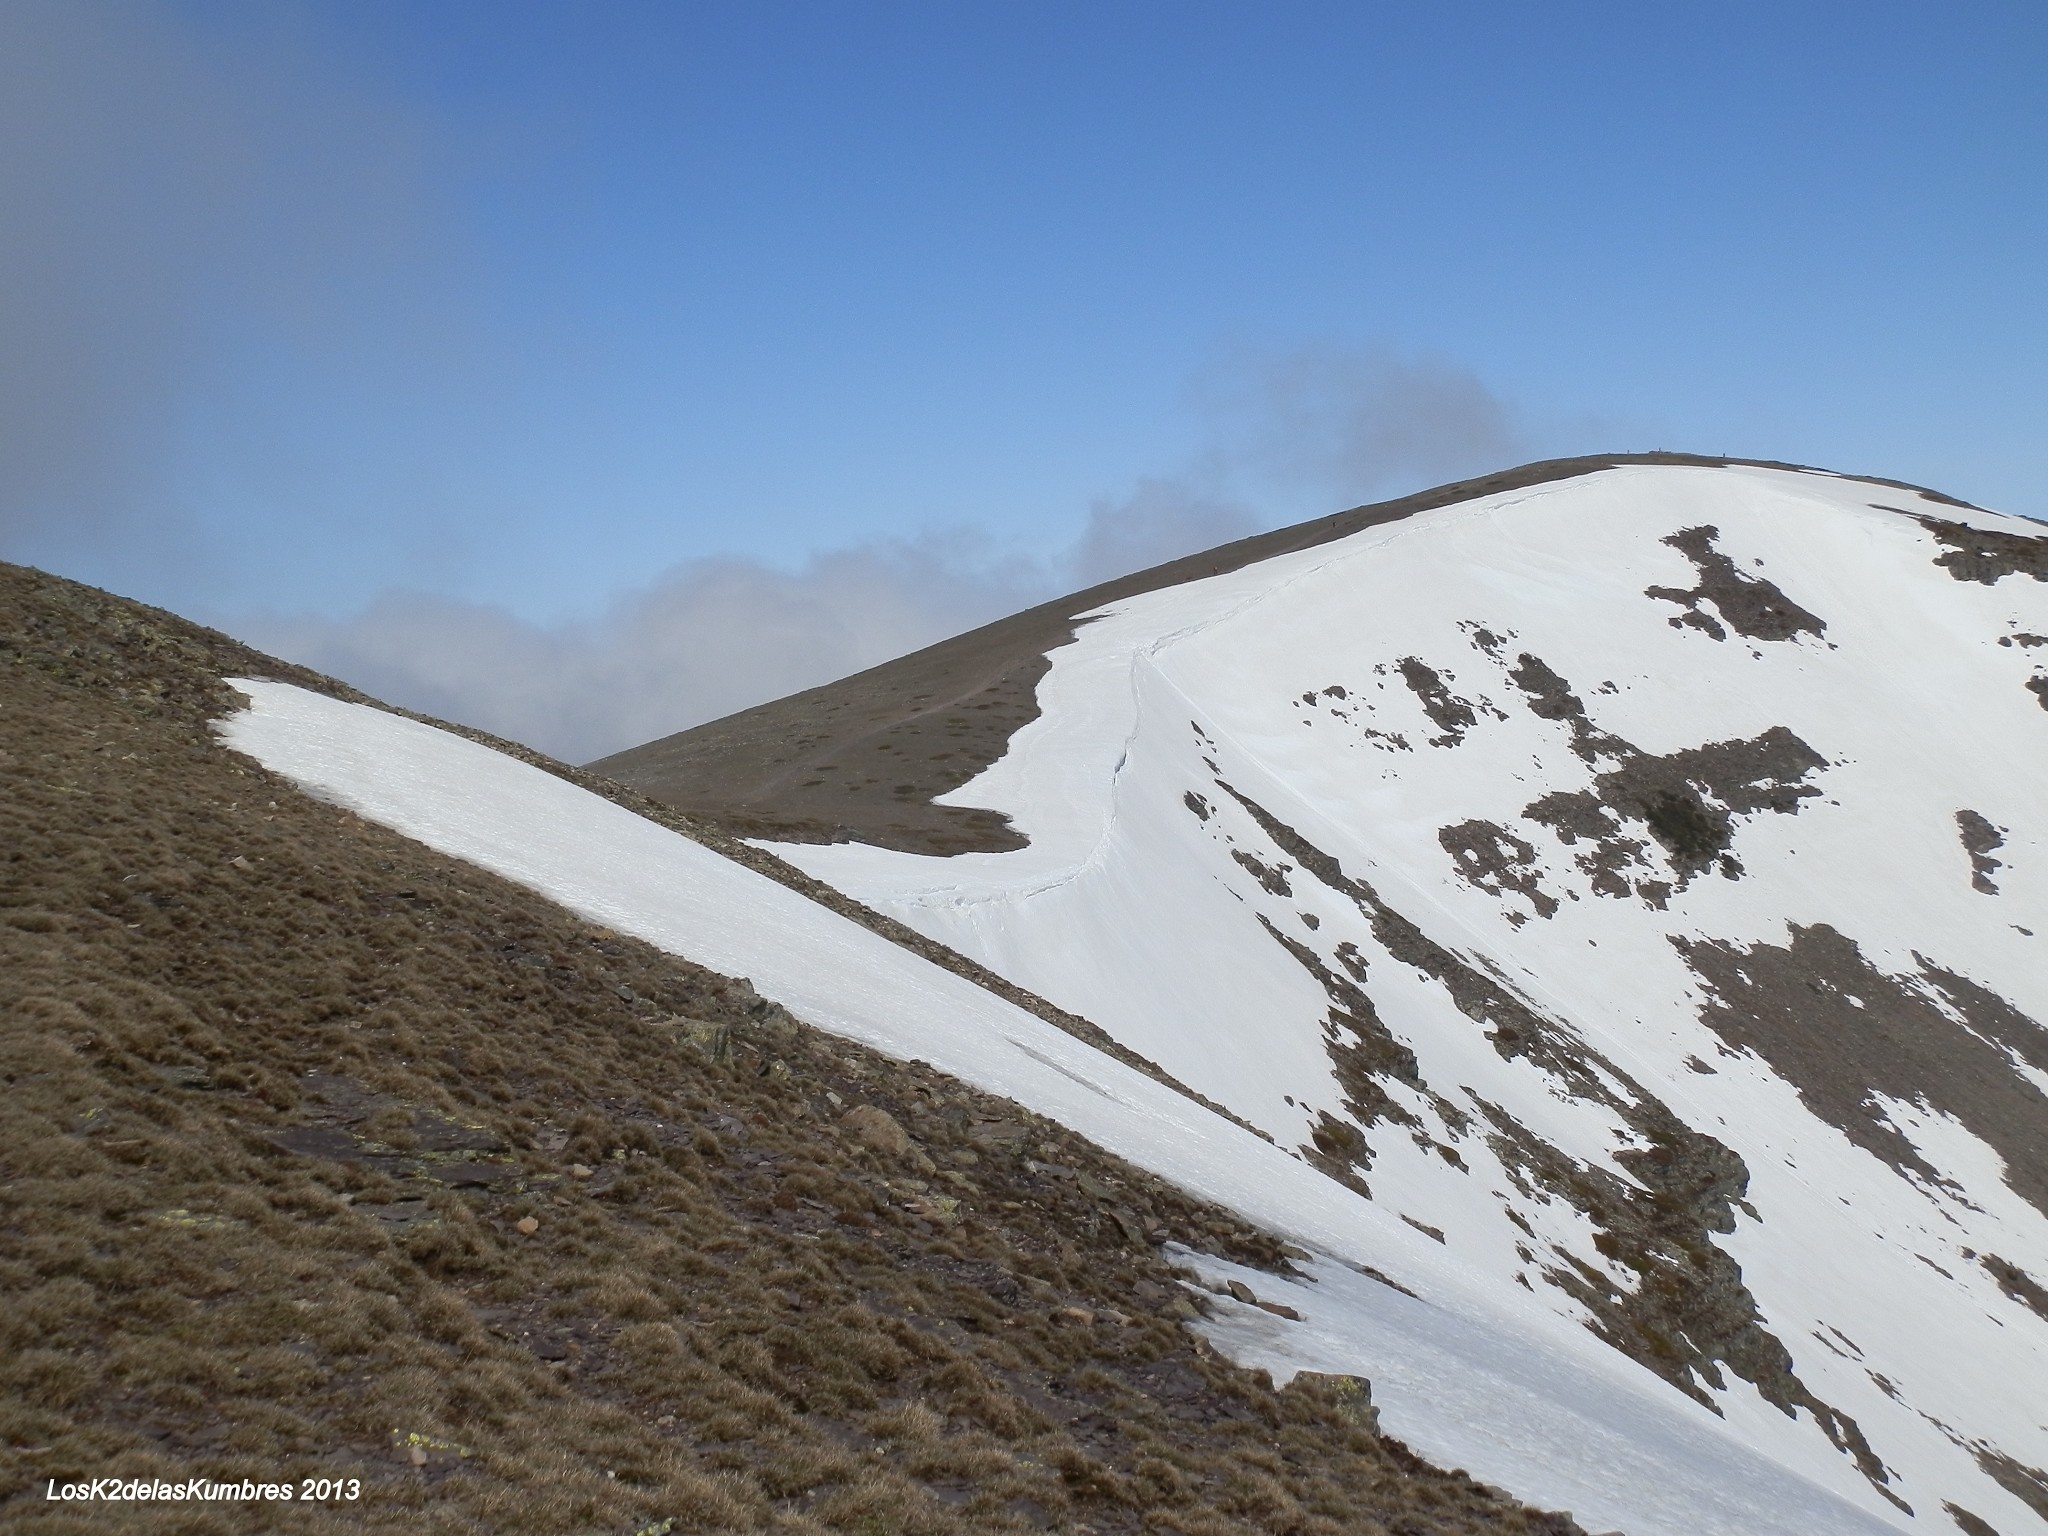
(710,637)
(707,638)
(713,636)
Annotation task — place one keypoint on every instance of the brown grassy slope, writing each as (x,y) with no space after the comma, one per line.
(281,1089)
(863,757)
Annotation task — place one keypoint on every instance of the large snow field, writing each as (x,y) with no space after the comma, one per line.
(1152,900)
(1472,1372)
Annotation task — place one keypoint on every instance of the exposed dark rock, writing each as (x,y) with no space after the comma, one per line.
(1967,1523)
(1763,773)
(1689,1314)
(1842,1032)
(1340,1139)
(437,1133)
(1362,1052)
(1483,639)
(1394,740)
(1980,838)
(2038,687)
(2016,1283)
(1751,606)
(1516,1029)
(875,1127)
(2027,1484)
(1986,555)
(1688,801)
(1448,713)
(1495,860)
(1551,698)
(1578,817)
(1274,880)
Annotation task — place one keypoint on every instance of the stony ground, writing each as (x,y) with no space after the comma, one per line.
(322,1154)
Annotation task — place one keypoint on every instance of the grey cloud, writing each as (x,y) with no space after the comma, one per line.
(1341,423)
(183,192)
(1330,423)
(90,283)
(1160,521)
(178,196)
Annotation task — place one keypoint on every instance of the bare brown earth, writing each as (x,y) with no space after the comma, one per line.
(862,759)
(323,1154)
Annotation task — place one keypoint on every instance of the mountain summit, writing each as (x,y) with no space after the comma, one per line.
(1632,876)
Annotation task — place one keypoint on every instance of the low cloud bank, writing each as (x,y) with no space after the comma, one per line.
(708,638)
(713,636)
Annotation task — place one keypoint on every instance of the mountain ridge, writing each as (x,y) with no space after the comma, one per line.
(742,770)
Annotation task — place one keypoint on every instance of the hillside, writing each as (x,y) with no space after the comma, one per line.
(326,1154)
(1635,882)
(1565,954)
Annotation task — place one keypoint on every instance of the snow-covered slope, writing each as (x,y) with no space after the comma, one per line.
(1617,899)
(1470,1374)
(1638,884)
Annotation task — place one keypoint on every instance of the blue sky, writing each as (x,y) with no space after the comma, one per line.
(481,351)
